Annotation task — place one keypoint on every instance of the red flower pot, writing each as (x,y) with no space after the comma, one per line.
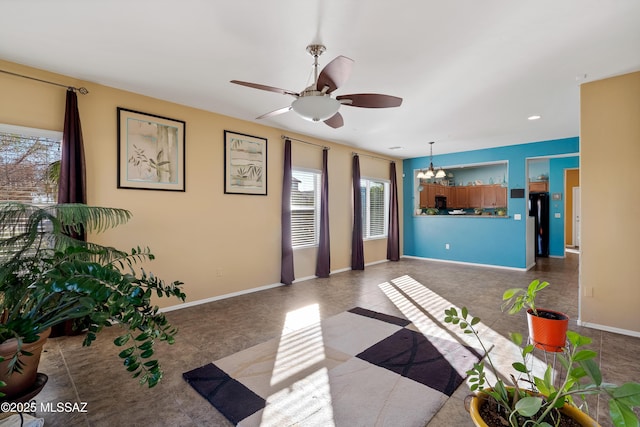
(548,330)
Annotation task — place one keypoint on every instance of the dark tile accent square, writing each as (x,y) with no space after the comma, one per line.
(380,316)
(413,356)
(230,397)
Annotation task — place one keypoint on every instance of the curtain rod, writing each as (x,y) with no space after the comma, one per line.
(306,142)
(373,157)
(82,90)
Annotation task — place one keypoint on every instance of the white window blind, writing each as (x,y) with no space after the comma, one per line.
(305,207)
(375,208)
(28,160)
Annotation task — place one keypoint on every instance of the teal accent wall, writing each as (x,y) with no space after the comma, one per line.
(491,241)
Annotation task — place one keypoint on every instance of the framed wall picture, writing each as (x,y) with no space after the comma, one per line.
(151,151)
(245,164)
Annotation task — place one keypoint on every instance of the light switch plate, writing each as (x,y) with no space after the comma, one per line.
(557,215)
(517,217)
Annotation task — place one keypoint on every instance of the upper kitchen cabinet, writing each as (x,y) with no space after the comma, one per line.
(465,186)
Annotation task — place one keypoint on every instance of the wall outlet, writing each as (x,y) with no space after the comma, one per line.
(446,246)
(557,215)
(517,217)
(219,272)
(588,292)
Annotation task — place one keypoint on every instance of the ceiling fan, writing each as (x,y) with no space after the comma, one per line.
(315,102)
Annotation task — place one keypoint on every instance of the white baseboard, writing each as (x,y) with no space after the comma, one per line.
(609,329)
(219,297)
(466,263)
(250,291)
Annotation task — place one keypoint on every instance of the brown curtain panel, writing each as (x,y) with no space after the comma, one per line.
(286,267)
(323,262)
(72,181)
(357,245)
(393,239)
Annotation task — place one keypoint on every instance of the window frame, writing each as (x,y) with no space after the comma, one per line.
(366,207)
(316,208)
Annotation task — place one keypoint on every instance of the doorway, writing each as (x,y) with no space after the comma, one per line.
(572,209)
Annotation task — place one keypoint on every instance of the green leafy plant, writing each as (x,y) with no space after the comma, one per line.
(500,211)
(48,277)
(515,299)
(431,211)
(538,402)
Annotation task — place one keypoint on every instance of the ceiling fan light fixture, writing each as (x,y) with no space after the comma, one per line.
(316,108)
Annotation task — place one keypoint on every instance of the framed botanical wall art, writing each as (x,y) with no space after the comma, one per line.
(245,164)
(151,151)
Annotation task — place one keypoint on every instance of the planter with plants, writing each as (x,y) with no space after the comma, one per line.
(48,277)
(547,328)
(541,401)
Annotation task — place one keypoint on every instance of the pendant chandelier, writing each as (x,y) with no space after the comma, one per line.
(430,173)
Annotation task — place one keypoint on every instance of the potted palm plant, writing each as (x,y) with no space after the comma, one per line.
(542,402)
(48,277)
(547,328)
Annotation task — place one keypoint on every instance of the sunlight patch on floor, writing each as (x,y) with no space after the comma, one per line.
(425,309)
(306,399)
(301,347)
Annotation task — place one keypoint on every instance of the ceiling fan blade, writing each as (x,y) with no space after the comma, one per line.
(275,112)
(267,88)
(370,100)
(335,74)
(336,121)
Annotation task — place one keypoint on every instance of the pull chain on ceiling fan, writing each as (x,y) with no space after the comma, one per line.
(315,102)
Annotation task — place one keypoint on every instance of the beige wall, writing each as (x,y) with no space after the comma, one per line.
(610,232)
(216,243)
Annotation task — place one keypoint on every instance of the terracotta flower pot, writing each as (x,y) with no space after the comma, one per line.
(548,331)
(568,410)
(19,383)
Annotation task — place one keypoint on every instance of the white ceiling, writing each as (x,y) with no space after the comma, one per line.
(470,71)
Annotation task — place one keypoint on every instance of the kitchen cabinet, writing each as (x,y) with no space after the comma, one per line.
(423,197)
(431,195)
(462,197)
(475,196)
(452,198)
(539,186)
(501,196)
(487,196)
(494,196)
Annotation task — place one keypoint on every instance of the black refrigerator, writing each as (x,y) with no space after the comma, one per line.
(539,208)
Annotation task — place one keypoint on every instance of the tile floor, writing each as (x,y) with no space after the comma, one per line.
(211,331)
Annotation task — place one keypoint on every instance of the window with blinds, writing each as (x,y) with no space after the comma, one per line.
(29,164)
(374,195)
(305,207)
